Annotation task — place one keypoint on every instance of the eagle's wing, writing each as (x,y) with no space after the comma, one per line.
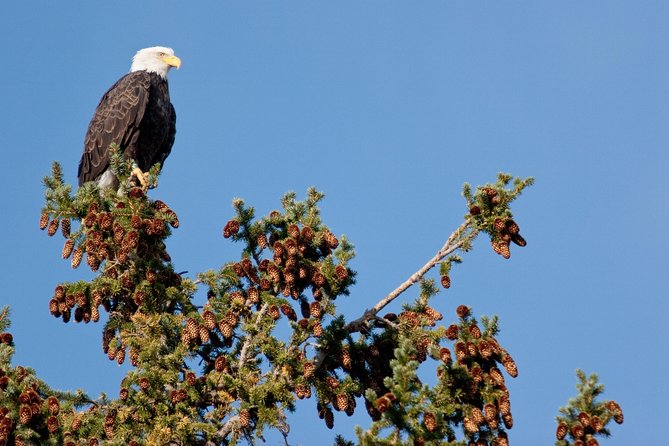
(116,120)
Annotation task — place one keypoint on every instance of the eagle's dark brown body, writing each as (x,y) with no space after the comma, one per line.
(136,114)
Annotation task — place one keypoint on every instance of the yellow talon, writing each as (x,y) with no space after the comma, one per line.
(141,177)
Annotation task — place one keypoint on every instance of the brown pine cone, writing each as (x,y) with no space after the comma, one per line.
(221,364)
(67,248)
(274,312)
(53,227)
(518,240)
(331,240)
(43,221)
(209,320)
(462,311)
(452,332)
(430,421)
(445,281)
(510,365)
(65,227)
(52,424)
(577,430)
(341,402)
(470,425)
(77,255)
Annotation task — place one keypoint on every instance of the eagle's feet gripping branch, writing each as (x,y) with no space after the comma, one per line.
(142,177)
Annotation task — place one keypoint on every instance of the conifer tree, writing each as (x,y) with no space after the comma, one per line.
(222,373)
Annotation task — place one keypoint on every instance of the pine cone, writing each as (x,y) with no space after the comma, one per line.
(144,384)
(226,329)
(318,279)
(475,331)
(496,376)
(470,425)
(510,365)
(616,411)
(452,332)
(341,402)
(445,355)
(329,418)
(53,405)
(477,416)
(109,431)
(508,421)
(445,281)
(274,312)
(76,422)
(430,421)
(433,314)
(341,272)
(119,233)
(52,424)
(597,424)
(518,240)
(499,225)
(460,351)
(346,360)
(502,439)
(315,310)
(383,404)
(261,240)
(504,405)
(53,227)
(120,356)
(289,312)
(95,314)
(77,255)
(501,248)
(307,233)
(584,419)
(577,430)
(105,221)
(209,319)
(490,414)
(25,414)
(43,221)
(244,417)
(332,382)
(308,369)
(221,364)
(254,295)
(65,227)
(331,240)
(192,328)
(462,311)
(591,441)
(318,329)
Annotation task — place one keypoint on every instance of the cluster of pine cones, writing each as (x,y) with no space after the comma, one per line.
(299,268)
(582,430)
(502,231)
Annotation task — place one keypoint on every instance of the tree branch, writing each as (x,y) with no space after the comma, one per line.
(247,341)
(454,242)
(463,234)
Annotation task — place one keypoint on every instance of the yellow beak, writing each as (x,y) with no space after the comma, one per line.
(172,61)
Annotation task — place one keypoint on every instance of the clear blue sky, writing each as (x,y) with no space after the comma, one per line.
(388,107)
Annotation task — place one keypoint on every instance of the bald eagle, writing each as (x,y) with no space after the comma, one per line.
(136,114)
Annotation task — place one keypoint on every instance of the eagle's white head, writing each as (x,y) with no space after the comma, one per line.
(157,59)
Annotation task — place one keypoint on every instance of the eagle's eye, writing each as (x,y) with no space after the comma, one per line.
(161,54)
